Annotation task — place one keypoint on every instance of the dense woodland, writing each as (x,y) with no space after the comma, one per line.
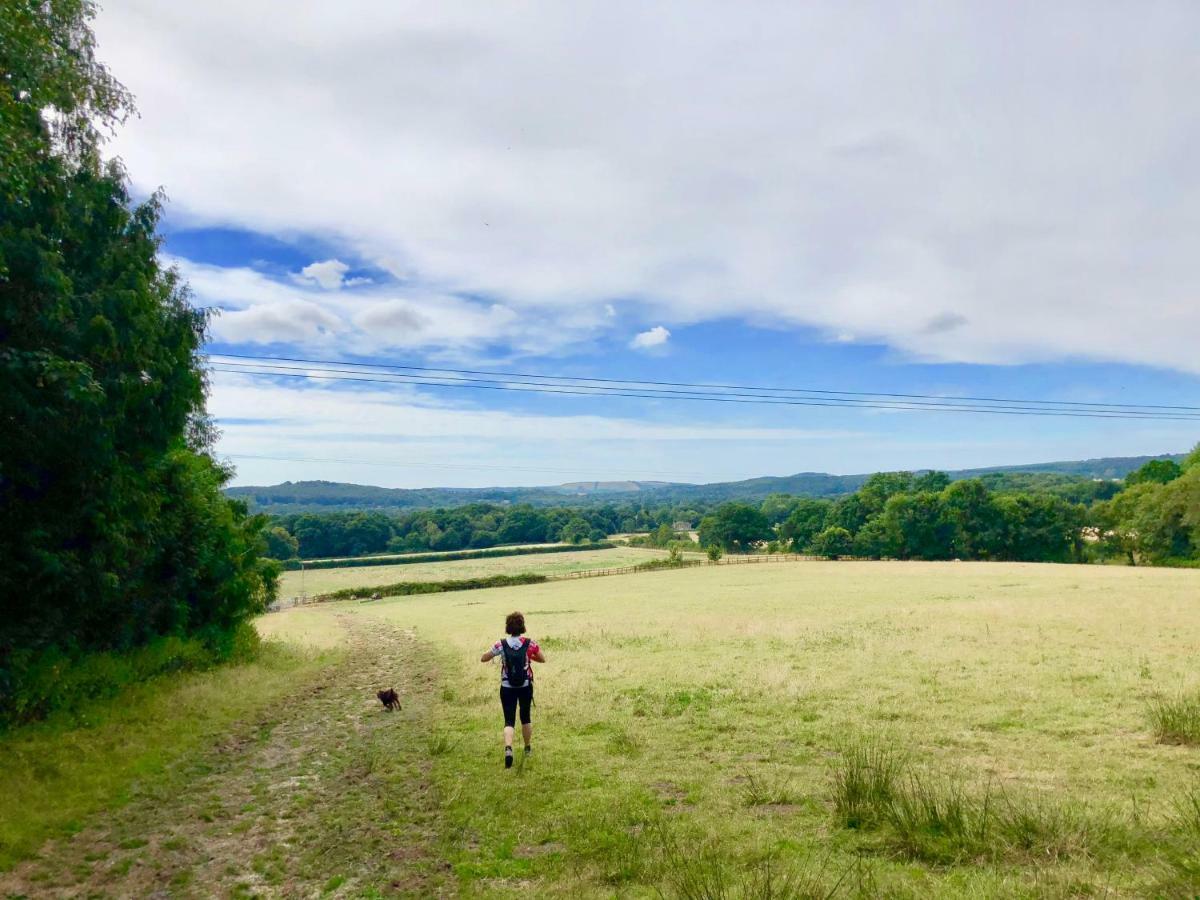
(121,554)
(1149,517)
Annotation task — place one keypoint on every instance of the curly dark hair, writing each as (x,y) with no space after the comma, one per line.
(514,624)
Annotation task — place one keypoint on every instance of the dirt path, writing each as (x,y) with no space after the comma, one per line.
(327,796)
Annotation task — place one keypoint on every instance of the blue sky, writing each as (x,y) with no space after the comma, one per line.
(995,201)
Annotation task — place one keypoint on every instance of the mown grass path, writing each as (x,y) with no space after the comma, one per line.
(325,795)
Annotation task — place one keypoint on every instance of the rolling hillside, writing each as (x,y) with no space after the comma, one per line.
(328,495)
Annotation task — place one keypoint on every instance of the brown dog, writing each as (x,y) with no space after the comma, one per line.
(389,698)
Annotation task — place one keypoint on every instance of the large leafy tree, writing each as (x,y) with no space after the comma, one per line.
(976,519)
(918,526)
(112,525)
(1156,471)
(1157,518)
(735,527)
(806,521)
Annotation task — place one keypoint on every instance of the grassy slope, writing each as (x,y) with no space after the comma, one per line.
(320,581)
(693,696)
(56,774)
(322,793)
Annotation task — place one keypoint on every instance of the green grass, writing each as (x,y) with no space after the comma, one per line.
(56,774)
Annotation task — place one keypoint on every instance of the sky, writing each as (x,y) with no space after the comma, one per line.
(945,198)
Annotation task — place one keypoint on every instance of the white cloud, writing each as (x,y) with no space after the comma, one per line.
(328,274)
(655,337)
(259,309)
(982,182)
(294,321)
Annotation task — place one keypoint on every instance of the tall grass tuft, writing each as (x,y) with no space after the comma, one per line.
(1187,813)
(702,872)
(937,822)
(768,790)
(1176,720)
(864,782)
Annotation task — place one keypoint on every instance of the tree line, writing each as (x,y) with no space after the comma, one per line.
(894,515)
(114,534)
(476,526)
(1151,518)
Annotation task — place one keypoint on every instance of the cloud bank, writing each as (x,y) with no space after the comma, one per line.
(965,182)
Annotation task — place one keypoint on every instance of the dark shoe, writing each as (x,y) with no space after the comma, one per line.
(508,757)
(528,750)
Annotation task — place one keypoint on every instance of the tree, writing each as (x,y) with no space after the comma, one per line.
(575,531)
(1154,522)
(834,542)
(1040,528)
(932,481)
(1192,460)
(850,512)
(777,507)
(917,526)
(113,528)
(805,522)
(714,553)
(1156,471)
(873,540)
(978,523)
(280,544)
(524,525)
(881,487)
(735,527)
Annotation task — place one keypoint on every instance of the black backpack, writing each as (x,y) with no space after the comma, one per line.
(515,666)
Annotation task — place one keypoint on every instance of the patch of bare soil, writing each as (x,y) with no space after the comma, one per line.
(328,795)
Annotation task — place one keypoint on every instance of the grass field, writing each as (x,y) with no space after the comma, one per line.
(708,710)
(794,730)
(320,581)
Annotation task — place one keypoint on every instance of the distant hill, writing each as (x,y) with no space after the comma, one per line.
(302,496)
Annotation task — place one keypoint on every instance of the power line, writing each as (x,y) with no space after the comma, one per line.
(704,386)
(583,390)
(596,390)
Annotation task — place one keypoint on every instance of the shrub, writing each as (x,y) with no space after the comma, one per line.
(413,558)
(405,588)
(51,680)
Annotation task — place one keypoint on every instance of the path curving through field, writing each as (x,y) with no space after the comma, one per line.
(325,795)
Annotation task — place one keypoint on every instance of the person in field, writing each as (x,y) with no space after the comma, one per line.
(517,655)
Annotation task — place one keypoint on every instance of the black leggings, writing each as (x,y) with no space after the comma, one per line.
(510,697)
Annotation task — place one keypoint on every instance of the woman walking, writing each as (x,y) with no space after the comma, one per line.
(517,656)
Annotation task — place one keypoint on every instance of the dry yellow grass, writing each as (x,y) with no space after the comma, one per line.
(319,581)
(675,687)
